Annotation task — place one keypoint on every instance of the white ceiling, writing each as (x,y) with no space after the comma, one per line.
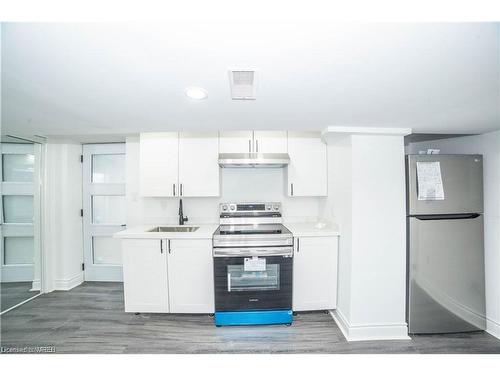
(81,79)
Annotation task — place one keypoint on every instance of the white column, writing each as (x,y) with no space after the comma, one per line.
(367,199)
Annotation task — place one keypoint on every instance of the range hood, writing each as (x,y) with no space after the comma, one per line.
(254,160)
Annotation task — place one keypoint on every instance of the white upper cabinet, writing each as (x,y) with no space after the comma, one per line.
(159,164)
(179,164)
(273,142)
(270,142)
(198,164)
(306,175)
(235,141)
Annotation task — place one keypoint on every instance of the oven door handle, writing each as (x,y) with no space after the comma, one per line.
(228,282)
(252,251)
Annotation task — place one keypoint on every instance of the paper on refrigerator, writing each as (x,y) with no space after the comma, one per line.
(429,181)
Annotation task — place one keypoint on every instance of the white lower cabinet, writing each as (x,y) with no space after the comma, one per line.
(315,273)
(145,276)
(191,276)
(168,276)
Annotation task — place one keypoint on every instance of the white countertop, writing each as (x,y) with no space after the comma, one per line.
(313,229)
(305,229)
(141,231)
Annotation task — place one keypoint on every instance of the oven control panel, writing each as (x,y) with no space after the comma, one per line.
(261,207)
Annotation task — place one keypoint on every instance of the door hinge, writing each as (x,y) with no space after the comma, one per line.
(81,212)
(83,266)
(81,158)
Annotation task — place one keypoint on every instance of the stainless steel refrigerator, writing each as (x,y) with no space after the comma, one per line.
(445,243)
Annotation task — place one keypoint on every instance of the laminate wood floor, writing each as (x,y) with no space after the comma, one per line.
(13,293)
(90,319)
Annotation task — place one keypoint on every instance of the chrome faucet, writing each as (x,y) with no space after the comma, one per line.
(182,219)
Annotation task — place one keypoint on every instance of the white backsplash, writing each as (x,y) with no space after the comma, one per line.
(236,185)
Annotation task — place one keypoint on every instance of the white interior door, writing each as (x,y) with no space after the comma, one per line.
(103,210)
(20,213)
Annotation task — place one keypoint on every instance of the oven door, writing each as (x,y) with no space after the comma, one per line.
(238,289)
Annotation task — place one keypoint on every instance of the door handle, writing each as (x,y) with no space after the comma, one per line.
(181,190)
(447,216)
(161,246)
(249,145)
(291,189)
(169,250)
(298,245)
(256,145)
(173,187)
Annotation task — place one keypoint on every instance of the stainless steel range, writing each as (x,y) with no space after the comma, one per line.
(253,263)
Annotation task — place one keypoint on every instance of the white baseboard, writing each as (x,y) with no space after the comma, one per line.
(68,284)
(35,286)
(397,331)
(493,328)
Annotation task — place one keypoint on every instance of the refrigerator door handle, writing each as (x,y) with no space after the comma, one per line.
(447,217)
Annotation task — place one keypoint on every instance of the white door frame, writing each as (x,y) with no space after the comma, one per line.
(93,271)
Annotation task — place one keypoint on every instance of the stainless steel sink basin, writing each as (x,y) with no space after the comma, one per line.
(174,229)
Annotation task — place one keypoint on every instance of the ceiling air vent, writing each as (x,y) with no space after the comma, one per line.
(242,84)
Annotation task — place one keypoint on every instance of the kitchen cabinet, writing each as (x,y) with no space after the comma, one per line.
(315,273)
(159,164)
(168,275)
(306,175)
(145,275)
(174,164)
(270,142)
(191,276)
(235,141)
(252,141)
(198,165)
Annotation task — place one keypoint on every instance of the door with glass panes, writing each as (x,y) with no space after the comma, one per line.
(20,214)
(103,210)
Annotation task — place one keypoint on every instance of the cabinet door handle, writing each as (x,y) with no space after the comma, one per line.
(173,189)
(169,250)
(181,190)
(161,246)
(298,245)
(291,188)
(256,145)
(249,145)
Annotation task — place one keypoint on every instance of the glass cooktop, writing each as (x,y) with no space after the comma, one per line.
(250,229)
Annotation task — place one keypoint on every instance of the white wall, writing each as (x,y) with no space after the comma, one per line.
(62,224)
(367,199)
(236,185)
(489,145)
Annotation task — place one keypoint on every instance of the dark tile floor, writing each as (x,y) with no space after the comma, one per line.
(90,319)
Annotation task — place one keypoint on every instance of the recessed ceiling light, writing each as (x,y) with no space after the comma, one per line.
(196,93)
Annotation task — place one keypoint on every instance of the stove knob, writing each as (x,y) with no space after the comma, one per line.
(232,207)
(276,207)
(268,208)
(224,207)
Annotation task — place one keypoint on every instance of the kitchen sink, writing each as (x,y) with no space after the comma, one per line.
(174,229)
